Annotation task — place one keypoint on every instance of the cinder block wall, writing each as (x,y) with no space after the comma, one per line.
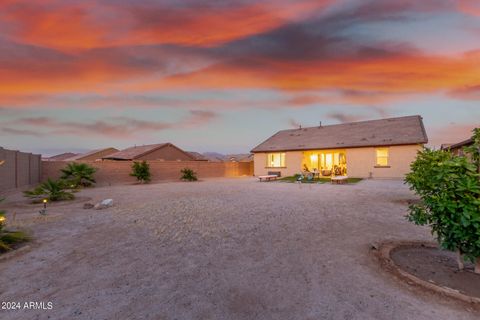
(19,170)
(118,172)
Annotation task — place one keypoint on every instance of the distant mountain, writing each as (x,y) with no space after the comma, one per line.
(217,157)
(214,156)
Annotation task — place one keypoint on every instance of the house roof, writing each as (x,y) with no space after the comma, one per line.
(91,153)
(136,152)
(62,156)
(243,157)
(197,156)
(461,144)
(383,132)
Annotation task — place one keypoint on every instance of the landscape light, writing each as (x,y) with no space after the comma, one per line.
(2,219)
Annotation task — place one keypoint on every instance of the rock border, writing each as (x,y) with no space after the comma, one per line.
(383,253)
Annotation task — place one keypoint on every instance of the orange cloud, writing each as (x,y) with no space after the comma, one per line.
(390,75)
(91,24)
(471,7)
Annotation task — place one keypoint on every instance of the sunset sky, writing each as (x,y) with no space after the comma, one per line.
(225,75)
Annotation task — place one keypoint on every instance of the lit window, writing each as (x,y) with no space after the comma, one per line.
(382,157)
(276,160)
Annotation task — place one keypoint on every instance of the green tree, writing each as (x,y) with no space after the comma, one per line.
(79,174)
(141,170)
(449,187)
(51,190)
(188,175)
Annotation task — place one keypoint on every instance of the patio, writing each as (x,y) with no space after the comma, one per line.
(220,249)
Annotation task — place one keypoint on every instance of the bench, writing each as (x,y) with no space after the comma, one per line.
(268,177)
(339,180)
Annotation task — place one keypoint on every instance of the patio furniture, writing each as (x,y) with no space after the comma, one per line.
(277,173)
(326,173)
(268,177)
(339,180)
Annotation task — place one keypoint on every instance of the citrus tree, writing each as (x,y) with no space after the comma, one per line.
(449,187)
(141,170)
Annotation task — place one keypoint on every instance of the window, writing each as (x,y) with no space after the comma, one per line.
(276,160)
(382,157)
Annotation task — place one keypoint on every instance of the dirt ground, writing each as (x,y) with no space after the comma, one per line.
(219,249)
(438,266)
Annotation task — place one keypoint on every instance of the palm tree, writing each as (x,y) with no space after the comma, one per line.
(51,190)
(79,174)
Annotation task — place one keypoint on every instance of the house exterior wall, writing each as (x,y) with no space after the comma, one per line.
(167,153)
(293,164)
(360,162)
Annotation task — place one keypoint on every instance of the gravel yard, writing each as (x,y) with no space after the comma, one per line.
(219,249)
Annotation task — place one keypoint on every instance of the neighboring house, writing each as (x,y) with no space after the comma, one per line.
(93,155)
(457,148)
(197,156)
(246,157)
(61,156)
(377,148)
(162,151)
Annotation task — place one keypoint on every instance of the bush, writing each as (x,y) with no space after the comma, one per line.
(449,187)
(188,175)
(9,238)
(51,190)
(2,217)
(141,170)
(79,175)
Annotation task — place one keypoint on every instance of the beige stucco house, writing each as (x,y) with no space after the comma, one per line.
(368,149)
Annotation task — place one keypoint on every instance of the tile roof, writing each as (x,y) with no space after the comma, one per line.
(383,132)
(461,144)
(90,153)
(61,156)
(135,152)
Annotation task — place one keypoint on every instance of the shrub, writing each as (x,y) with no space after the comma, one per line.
(2,217)
(188,175)
(51,190)
(141,170)
(449,187)
(79,174)
(9,238)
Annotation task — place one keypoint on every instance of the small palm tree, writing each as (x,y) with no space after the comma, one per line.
(51,190)
(79,174)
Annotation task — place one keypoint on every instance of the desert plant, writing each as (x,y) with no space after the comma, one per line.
(2,217)
(449,187)
(78,175)
(51,190)
(188,175)
(141,170)
(9,238)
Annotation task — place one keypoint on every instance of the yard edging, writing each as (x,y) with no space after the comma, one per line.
(383,253)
